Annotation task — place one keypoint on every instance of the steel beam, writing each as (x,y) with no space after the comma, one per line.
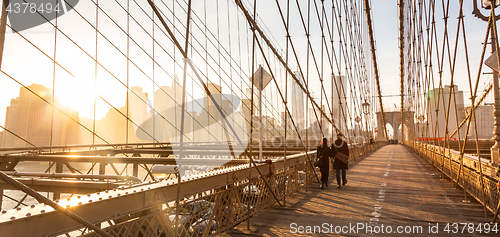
(164,153)
(63,186)
(129,160)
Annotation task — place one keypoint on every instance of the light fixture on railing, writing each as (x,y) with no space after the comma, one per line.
(487,4)
(164,171)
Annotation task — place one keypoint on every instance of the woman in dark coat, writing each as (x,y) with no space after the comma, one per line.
(340,148)
(324,152)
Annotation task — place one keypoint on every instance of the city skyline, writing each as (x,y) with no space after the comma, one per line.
(112,127)
(69,127)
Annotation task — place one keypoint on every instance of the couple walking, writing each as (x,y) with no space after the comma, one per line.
(340,151)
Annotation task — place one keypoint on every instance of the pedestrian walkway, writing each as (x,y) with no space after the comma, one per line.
(391,192)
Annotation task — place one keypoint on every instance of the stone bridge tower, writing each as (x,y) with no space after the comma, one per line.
(394,119)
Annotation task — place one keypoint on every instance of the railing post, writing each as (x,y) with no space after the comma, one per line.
(59,169)
(1,198)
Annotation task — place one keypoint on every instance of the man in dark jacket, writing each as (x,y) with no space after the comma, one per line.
(324,153)
(340,151)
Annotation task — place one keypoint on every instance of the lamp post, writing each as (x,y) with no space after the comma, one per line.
(495,149)
(356,135)
(366,107)
(366,112)
(358,120)
(421,118)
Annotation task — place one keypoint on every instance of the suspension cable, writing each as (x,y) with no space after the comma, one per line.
(374,61)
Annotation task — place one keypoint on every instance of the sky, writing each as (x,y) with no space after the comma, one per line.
(22,61)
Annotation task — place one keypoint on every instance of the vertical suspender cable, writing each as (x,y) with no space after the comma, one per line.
(183,112)
(59,165)
(252,61)
(307,78)
(3,25)
(95,74)
(286,93)
(401,63)
(127,103)
(54,83)
(252,102)
(321,79)
(153,54)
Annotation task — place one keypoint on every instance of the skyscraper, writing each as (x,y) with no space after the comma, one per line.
(442,96)
(168,102)
(32,118)
(339,102)
(138,111)
(484,122)
(297,102)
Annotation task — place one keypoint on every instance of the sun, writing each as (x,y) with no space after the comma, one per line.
(77,95)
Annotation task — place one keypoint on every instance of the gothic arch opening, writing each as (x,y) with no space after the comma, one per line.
(390,131)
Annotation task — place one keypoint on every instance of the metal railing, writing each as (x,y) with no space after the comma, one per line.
(469,177)
(211,202)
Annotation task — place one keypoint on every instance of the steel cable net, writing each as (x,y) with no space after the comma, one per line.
(133,81)
(446,106)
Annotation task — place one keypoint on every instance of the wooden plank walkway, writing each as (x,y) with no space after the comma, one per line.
(392,190)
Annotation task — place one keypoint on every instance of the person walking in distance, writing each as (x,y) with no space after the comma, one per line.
(324,152)
(340,151)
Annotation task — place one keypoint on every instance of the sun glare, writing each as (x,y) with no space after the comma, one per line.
(78,96)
